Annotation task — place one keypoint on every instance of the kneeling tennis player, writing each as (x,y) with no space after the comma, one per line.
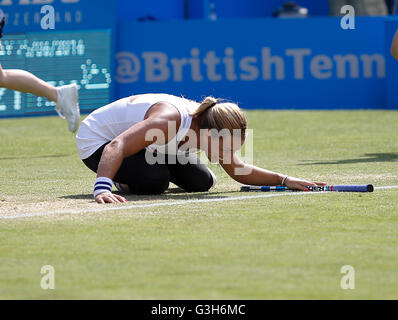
(119,142)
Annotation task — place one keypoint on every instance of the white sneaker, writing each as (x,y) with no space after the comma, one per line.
(68,105)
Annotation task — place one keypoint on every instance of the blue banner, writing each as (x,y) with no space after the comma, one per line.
(260,63)
(26,15)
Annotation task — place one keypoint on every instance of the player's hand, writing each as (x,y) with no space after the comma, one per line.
(299,184)
(108,197)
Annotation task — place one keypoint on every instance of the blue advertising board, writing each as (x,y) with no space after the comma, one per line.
(260,63)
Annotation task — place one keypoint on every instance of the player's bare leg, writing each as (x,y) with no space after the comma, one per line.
(66,97)
(23,81)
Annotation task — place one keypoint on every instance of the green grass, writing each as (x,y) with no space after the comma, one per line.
(272,248)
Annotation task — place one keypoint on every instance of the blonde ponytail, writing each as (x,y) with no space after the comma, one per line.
(207,103)
(212,114)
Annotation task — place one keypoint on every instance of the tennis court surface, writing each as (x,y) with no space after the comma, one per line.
(224,244)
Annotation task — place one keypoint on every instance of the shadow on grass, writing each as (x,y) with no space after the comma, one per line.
(366,158)
(36,157)
(171,194)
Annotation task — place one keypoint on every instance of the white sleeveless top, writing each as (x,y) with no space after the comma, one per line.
(108,122)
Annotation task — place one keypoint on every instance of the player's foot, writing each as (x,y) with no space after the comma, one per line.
(122,188)
(68,105)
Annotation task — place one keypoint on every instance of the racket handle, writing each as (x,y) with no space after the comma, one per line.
(363,188)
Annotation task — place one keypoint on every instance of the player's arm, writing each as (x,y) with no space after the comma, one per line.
(252,175)
(394,46)
(128,143)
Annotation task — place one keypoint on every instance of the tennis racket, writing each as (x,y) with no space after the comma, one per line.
(337,188)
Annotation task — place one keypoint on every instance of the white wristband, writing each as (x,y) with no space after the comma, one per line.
(102,185)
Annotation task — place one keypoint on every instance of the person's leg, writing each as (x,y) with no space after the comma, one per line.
(140,177)
(192,176)
(26,82)
(66,97)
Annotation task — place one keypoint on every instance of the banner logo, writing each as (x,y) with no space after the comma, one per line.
(293,63)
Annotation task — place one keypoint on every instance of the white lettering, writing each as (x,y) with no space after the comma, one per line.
(48,21)
(348,280)
(128,67)
(48,280)
(156,69)
(298,57)
(348,21)
(159,67)
(342,61)
(211,61)
(195,65)
(229,63)
(178,65)
(251,71)
(321,67)
(269,61)
(369,60)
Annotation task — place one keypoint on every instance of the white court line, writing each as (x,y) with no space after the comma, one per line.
(166,204)
(386,187)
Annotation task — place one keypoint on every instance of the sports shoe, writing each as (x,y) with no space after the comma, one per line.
(68,105)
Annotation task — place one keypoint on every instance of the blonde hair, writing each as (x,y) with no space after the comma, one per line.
(214,115)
